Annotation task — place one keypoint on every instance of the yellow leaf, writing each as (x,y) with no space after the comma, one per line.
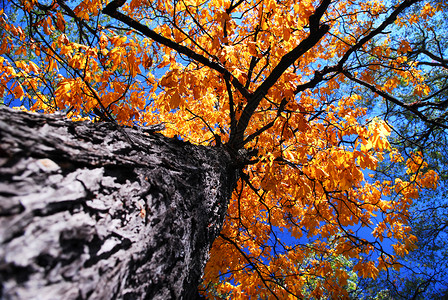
(33,67)
(264,24)
(286,33)
(18,92)
(175,99)
(60,22)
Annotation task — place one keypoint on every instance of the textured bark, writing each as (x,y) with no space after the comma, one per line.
(88,211)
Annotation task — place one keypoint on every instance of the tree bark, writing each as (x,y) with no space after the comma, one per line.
(93,211)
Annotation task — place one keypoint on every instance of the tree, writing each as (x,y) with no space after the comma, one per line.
(258,80)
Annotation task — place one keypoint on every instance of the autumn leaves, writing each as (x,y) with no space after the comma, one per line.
(284,77)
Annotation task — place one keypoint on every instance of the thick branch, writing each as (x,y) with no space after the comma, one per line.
(316,33)
(111,10)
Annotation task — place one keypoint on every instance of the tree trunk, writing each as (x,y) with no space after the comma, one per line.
(93,211)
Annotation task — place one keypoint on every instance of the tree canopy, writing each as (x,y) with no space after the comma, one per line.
(282,85)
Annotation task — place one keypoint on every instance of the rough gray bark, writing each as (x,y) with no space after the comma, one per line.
(91,212)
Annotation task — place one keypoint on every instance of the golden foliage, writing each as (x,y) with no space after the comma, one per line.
(308,181)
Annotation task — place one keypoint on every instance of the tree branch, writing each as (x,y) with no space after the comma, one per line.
(389,20)
(394,100)
(111,10)
(316,33)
